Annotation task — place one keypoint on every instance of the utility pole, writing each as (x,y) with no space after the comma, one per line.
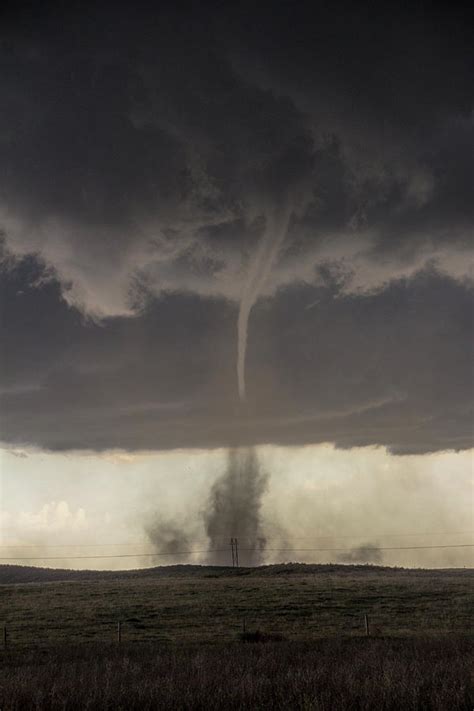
(236,545)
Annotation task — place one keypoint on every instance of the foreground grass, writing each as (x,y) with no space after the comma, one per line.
(326,675)
(302,603)
(180,644)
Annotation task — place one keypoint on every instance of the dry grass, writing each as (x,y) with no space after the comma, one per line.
(184,645)
(210,605)
(326,675)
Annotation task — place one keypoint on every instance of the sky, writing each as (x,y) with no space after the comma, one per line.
(236,246)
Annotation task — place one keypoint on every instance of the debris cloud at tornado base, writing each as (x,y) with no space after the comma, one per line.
(234,509)
(168,538)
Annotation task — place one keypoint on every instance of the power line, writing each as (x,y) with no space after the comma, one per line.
(381,535)
(114,555)
(295,538)
(224,550)
(379,548)
(73,545)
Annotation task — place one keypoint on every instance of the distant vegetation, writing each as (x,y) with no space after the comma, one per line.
(31,574)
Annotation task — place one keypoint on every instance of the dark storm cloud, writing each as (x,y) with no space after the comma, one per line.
(129,142)
(142,158)
(392,368)
(122,152)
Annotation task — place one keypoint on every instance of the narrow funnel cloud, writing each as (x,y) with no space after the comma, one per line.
(276,227)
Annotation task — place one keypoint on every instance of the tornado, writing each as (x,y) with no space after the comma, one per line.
(234,508)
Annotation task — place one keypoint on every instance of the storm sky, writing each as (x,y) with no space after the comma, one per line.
(236,225)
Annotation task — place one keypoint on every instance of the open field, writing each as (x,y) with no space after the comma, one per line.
(181,643)
(325,675)
(210,604)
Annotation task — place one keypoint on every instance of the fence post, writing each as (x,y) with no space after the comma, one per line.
(367,628)
(119,632)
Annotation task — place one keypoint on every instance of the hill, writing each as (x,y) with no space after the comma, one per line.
(201,603)
(14,574)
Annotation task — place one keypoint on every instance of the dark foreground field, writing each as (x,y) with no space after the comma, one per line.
(181,639)
(364,673)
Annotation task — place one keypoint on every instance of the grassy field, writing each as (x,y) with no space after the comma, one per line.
(182,645)
(347,674)
(211,604)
